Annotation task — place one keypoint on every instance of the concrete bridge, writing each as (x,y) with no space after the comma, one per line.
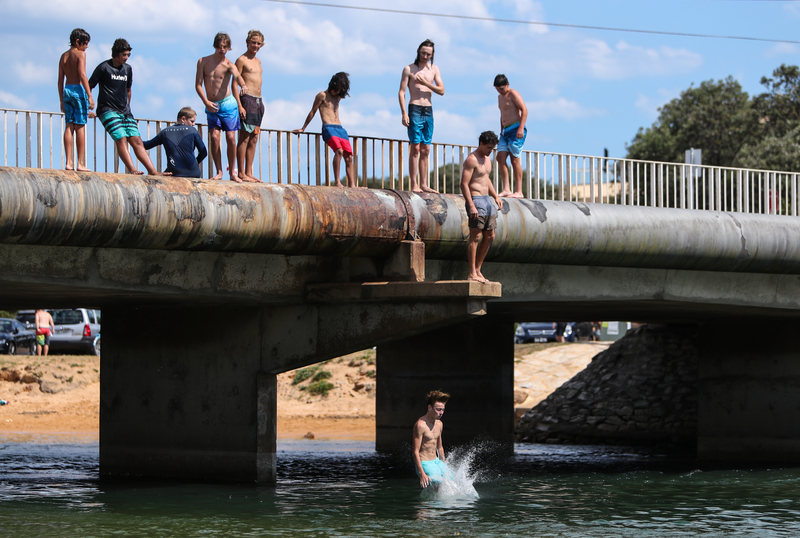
(203,281)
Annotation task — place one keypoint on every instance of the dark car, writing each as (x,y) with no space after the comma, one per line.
(15,337)
(542,331)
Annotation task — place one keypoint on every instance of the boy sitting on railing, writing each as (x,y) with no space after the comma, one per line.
(76,97)
(332,131)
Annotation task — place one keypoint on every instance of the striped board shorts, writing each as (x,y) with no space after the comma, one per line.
(119,125)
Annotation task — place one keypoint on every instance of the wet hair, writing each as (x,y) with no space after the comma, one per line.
(426,43)
(186,112)
(340,83)
(120,45)
(435,396)
(79,36)
(488,137)
(222,39)
(253,33)
(500,81)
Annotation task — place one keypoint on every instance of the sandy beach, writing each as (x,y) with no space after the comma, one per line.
(59,395)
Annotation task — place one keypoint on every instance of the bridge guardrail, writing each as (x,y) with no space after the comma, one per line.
(287,157)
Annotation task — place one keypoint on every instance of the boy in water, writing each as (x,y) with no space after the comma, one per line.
(478,192)
(426,446)
(251,107)
(332,131)
(513,115)
(76,97)
(421,78)
(115,78)
(180,141)
(219,75)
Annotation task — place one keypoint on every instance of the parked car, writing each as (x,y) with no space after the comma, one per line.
(15,337)
(77,329)
(542,331)
(27,318)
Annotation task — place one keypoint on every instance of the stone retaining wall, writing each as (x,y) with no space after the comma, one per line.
(641,390)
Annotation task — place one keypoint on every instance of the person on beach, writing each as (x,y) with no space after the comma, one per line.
(333,133)
(75,98)
(180,141)
(115,78)
(427,447)
(478,191)
(513,116)
(421,78)
(44,328)
(251,107)
(219,74)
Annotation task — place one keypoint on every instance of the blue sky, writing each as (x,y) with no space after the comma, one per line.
(586,89)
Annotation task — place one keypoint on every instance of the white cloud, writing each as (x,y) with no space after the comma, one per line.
(32,73)
(630,61)
(11,100)
(782,49)
(648,106)
(562,109)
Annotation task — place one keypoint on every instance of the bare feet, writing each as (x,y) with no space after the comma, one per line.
(425,188)
(417,190)
(476,278)
(483,277)
(83,169)
(68,168)
(234,175)
(136,173)
(218,176)
(516,195)
(338,183)
(505,194)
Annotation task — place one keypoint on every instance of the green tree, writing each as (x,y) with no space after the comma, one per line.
(716,116)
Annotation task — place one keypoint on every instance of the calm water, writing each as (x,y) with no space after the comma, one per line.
(50,487)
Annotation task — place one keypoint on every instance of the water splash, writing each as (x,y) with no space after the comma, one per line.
(458,484)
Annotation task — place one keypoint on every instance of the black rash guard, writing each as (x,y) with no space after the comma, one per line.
(179,143)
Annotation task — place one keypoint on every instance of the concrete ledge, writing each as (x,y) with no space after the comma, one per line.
(402,291)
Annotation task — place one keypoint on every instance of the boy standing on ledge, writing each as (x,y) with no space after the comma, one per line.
(251,107)
(222,110)
(76,97)
(513,116)
(478,191)
(332,131)
(115,78)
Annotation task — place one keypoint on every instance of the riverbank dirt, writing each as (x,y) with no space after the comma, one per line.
(60,394)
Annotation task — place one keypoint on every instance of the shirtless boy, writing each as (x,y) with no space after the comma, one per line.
(251,107)
(478,192)
(76,98)
(115,78)
(427,442)
(513,115)
(44,328)
(421,78)
(333,133)
(218,74)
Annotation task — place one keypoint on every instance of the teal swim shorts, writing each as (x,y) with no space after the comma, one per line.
(436,470)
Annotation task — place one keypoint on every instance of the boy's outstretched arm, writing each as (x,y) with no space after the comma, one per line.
(317,102)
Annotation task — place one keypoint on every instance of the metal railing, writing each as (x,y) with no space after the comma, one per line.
(291,158)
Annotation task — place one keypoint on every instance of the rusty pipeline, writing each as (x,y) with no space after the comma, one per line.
(49,207)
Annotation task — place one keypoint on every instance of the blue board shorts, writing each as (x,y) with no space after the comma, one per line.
(436,470)
(420,124)
(509,141)
(227,117)
(76,104)
(119,125)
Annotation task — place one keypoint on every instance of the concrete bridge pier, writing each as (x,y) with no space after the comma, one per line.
(473,361)
(190,392)
(749,391)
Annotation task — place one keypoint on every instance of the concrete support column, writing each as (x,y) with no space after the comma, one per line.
(472,360)
(749,391)
(183,395)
